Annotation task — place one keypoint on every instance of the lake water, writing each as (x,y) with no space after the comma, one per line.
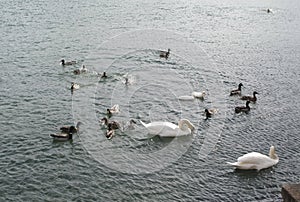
(214,46)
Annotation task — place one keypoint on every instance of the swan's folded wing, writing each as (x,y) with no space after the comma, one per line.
(253,158)
(160,127)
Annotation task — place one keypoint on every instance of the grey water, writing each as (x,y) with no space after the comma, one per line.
(214,45)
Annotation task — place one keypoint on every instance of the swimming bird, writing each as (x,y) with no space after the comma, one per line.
(104,76)
(199,95)
(237,91)
(167,129)
(74,86)
(110,133)
(62,136)
(113,110)
(250,98)
(64,63)
(110,124)
(70,129)
(83,69)
(126,81)
(76,71)
(245,109)
(164,54)
(129,125)
(210,112)
(256,161)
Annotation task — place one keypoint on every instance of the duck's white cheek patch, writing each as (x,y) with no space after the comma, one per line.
(152,95)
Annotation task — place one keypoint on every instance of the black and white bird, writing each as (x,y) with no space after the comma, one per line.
(65,63)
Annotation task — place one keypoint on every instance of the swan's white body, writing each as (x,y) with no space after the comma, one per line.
(256,161)
(186,97)
(167,129)
(199,95)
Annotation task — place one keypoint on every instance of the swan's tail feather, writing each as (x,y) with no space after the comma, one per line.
(235,164)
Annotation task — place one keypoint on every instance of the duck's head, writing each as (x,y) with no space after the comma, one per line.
(240,85)
(62,61)
(132,121)
(104,74)
(255,93)
(73,129)
(169,50)
(104,120)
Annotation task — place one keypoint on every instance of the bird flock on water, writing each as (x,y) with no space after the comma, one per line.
(253,160)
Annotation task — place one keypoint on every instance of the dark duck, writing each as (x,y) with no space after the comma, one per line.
(245,109)
(250,98)
(237,91)
(164,54)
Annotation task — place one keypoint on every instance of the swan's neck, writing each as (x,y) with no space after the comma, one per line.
(184,122)
(272,153)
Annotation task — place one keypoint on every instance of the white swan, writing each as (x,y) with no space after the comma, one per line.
(257,161)
(167,129)
(199,95)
